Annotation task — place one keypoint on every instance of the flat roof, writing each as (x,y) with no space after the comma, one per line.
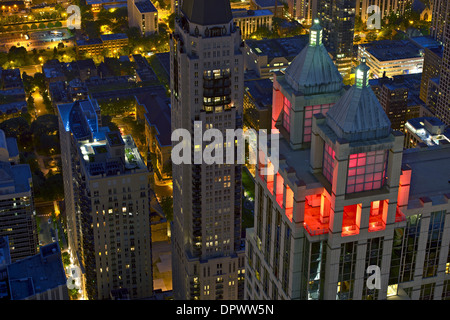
(38,273)
(386,50)
(430,175)
(113,36)
(145,6)
(279,47)
(244,13)
(299,161)
(261,91)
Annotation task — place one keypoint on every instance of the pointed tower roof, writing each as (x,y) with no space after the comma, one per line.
(358,114)
(207,12)
(313,71)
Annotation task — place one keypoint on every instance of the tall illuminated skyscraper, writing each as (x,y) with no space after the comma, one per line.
(338,20)
(206,86)
(346,200)
(443,102)
(106,188)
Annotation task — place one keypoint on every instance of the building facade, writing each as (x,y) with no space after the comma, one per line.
(443,101)
(106,185)
(338,20)
(17,218)
(249,21)
(386,7)
(37,277)
(207,77)
(351,201)
(143,15)
(392,57)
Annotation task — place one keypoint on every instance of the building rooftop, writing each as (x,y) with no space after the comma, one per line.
(288,48)
(298,160)
(313,71)
(431,130)
(261,91)
(267,3)
(158,114)
(386,50)
(207,12)
(37,274)
(430,175)
(145,6)
(426,42)
(244,13)
(358,115)
(113,36)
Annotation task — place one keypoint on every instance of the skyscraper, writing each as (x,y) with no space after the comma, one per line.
(353,216)
(107,203)
(16,202)
(443,102)
(207,93)
(338,20)
(439,19)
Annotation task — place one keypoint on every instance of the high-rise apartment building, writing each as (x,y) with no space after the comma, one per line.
(443,101)
(302,10)
(351,203)
(16,202)
(439,20)
(385,8)
(207,80)
(106,185)
(338,20)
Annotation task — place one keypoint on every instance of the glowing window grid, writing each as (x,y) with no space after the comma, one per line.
(366,171)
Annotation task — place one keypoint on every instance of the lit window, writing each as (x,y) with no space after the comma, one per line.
(328,163)
(366,171)
(309,112)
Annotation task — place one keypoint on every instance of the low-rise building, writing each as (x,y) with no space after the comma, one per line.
(154,109)
(143,15)
(392,57)
(258,104)
(112,43)
(271,55)
(250,20)
(426,130)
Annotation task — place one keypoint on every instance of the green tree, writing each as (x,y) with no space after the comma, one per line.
(167,207)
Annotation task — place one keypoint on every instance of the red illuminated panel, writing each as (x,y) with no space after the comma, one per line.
(270,175)
(351,220)
(286,114)
(289,202)
(266,171)
(279,191)
(316,215)
(366,171)
(378,215)
(277,106)
(309,112)
(328,162)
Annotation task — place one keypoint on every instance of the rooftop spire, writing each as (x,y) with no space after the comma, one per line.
(358,115)
(362,74)
(315,34)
